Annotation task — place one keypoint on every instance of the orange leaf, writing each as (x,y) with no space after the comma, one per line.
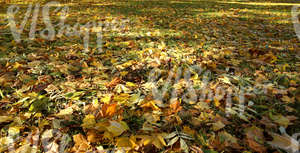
(81,144)
(175,106)
(113,82)
(109,109)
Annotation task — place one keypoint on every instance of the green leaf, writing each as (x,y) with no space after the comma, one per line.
(39,104)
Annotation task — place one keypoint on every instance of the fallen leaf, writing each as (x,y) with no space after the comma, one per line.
(89,121)
(109,110)
(218,125)
(255,139)
(117,128)
(81,144)
(284,142)
(281,120)
(5,119)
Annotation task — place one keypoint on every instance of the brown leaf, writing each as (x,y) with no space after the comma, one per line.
(255,139)
(81,144)
(256,146)
(113,82)
(93,136)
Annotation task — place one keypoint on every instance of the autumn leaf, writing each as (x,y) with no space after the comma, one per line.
(109,110)
(65,112)
(255,139)
(284,142)
(117,128)
(118,76)
(281,120)
(126,142)
(5,119)
(175,106)
(218,125)
(81,144)
(113,82)
(155,139)
(93,136)
(89,121)
(106,98)
(150,104)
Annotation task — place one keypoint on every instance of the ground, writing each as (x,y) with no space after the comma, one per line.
(169,76)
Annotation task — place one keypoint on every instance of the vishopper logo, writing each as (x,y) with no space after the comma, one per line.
(296,19)
(290,144)
(295,139)
(51,31)
(50,140)
(194,85)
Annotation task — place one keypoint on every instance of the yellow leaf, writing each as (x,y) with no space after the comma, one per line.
(155,139)
(227,52)
(225,80)
(281,120)
(95,103)
(288,99)
(25,149)
(126,142)
(109,109)
(217,102)
(147,140)
(161,139)
(108,135)
(157,143)
(81,144)
(5,119)
(119,88)
(218,125)
(3,143)
(14,130)
(64,112)
(150,104)
(89,121)
(101,126)
(122,98)
(106,98)
(293,83)
(202,106)
(117,128)
(130,84)
(124,73)
(188,130)
(17,65)
(123,142)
